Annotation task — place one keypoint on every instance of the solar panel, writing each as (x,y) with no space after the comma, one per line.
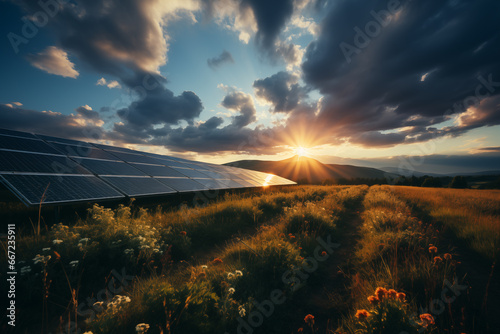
(58,189)
(16,133)
(156,170)
(182,185)
(138,186)
(24,162)
(25,144)
(81,171)
(83,151)
(106,167)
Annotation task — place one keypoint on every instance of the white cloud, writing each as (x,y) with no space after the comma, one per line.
(54,61)
(109,84)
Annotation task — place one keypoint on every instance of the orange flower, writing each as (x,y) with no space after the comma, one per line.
(300,330)
(362,314)
(309,319)
(447,256)
(392,293)
(433,249)
(217,261)
(401,296)
(323,253)
(292,237)
(373,300)
(437,260)
(427,319)
(182,232)
(380,293)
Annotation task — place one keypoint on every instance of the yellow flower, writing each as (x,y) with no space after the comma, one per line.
(380,293)
(373,300)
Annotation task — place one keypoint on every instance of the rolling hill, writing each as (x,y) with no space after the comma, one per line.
(301,168)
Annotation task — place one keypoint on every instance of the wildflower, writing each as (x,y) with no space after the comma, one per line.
(242,311)
(391,293)
(129,251)
(56,241)
(309,319)
(231,291)
(433,249)
(84,240)
(183,233)
(141,328)
(373,300)
(230,275)
(41,259)
(437,260)
(73,263)
(204,267)
(292,237)
(25,270)
(380,293)
(238,273)
(45,249)
(447,256)
(323,253)
(401,296)
(89,332)
(217,261)
(300,330)
(362,314)
(427,319)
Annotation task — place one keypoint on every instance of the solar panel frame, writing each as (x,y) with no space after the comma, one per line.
(29,162)
(25,145)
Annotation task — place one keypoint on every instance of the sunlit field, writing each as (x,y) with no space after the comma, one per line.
(305,259)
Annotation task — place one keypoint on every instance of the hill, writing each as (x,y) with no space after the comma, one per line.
(300,168)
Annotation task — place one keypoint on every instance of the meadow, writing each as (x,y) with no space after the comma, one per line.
(302,259)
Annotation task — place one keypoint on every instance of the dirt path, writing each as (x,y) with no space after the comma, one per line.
(329,299)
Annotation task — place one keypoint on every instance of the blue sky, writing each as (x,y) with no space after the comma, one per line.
(350,81)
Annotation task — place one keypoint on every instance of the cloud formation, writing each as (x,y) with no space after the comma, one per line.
(54,61)
(376,85)
(110,84)
(282,90)
(224,58)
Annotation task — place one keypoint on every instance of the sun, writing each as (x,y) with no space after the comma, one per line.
(301,151)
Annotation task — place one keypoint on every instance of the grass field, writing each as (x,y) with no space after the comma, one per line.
(305,259)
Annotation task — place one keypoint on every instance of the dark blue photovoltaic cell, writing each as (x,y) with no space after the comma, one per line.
(138,186)
(212,183)
(83,151)
(24,162)
(105,167)
(63,140)
(25,144)
(156,170)
(191,173)
(59,188)
(182,185)
(16,133)
(130,157)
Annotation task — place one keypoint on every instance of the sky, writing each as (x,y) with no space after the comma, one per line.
(412,84)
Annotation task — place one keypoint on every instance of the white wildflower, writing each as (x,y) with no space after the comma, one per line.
(231,291)
(238,273)
(129,251)
(73,263)
(56,241)
(41,259)
(25,270)
(204,267)
(45,249)
(98,306)
(141,328)
(84,240)
(230,275)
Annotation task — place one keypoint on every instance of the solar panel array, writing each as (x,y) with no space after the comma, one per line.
(38,168)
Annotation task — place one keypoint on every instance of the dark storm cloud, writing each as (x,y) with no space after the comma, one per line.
(48,123)
(95,32)
(224,58)
(243,103)
(281,89)
(271,17)
(87,112)
(417,67)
